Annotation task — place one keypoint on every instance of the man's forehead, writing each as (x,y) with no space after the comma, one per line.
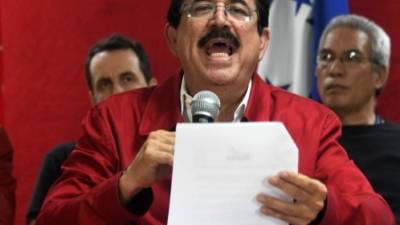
(114,61)
(120,54)
(348,33)
(345,36)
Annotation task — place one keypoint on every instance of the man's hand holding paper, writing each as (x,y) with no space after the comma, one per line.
(309,195)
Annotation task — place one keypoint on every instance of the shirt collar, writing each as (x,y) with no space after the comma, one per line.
(163,105)
(186,100)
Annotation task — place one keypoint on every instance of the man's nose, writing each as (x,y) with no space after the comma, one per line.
(118,89)
(220,16)
(336,68)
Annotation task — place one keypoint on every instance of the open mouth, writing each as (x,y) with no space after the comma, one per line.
(220,47)
(219,43)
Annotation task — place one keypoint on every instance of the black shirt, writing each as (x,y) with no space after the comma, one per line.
(376,151)
(50,171)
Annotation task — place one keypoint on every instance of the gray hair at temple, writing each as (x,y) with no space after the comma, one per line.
(379,39)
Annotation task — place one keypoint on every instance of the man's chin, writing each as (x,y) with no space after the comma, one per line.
(336,105)
(221,78)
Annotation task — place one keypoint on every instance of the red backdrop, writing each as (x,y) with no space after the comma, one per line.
(386,14)
(44,89)
(1,68)
(45,43)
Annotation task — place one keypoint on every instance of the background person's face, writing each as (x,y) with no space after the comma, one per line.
(217,63)
(115,72)
(345,86)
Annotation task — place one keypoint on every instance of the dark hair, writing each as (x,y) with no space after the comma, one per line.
(174,13)
(118,42)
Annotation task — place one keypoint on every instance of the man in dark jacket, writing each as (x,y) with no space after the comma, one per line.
(352,69)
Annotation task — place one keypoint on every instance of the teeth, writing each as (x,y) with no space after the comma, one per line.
(219,54)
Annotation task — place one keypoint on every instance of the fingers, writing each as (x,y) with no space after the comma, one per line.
(309,195)
(288,210)
(160,140)
(289,219)
(162,136)
(311,186)
(159,145)
(153,162)
(305,190)
(160,153)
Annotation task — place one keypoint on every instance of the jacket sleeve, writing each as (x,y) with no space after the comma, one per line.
(87,191)
(351,199)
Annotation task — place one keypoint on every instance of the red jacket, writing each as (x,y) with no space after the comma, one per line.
(115,130)
(7,181)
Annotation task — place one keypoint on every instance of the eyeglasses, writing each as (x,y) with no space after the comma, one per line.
(237,10)
(349,58)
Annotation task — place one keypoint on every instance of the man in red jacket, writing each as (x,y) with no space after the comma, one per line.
(113,65)
(7,181)
(120,170)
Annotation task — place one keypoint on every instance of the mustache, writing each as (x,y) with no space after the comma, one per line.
(219,33)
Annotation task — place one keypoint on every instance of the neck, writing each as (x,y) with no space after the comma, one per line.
(362,116)
(230,98)
(228,108)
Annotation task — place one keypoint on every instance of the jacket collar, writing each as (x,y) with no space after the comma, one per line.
(259,105)
(163,108)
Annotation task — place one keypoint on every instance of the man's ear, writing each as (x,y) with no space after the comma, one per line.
(381,78)
(170,34)
(264,42)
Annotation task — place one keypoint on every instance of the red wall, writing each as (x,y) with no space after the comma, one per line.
(45,43)
(1,68)
(386,14)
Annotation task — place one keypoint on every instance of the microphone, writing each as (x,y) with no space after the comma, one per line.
(205,107)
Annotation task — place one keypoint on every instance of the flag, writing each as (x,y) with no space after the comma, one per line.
(295,28)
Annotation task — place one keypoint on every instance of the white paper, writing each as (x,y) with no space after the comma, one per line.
(219,169)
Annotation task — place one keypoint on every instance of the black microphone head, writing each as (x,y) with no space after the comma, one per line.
(205,107)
